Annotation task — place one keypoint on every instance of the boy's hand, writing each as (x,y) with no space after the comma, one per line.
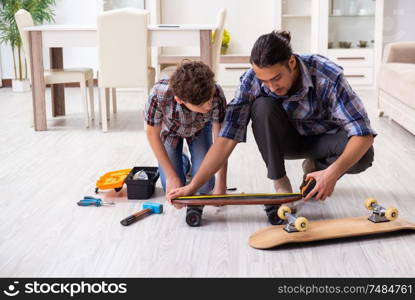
(173,183)
(325,183)
(179,192)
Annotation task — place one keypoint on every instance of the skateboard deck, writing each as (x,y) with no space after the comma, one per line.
(238,199)
(246,199)
(195,204)
(272,202)
(274,236)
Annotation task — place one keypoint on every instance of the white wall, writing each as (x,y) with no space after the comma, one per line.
(246,20)
(398,22)
(114,4)
(82,12)
(67,12)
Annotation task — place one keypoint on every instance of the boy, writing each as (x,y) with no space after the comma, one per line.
(188,106)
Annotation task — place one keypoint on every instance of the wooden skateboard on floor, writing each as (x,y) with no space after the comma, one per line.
(195,204)
(380,221)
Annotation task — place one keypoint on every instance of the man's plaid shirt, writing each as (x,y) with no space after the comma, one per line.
(324,104)
(176,120)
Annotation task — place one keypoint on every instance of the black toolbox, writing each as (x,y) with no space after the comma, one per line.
(142,189)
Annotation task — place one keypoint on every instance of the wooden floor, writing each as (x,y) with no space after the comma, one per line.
(44,233)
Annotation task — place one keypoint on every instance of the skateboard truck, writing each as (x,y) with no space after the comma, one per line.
(295,224)
(379,213)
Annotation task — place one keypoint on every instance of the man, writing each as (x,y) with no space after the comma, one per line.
(301,106)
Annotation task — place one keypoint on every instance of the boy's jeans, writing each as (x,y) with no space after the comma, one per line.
(198,149)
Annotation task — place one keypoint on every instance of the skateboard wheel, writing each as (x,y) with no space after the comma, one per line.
(282,211)
(301,224)
(369,202)
(193,217)
(272,215)
(391,213)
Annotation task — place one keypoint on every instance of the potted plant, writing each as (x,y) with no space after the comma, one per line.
(226,39)
(41,11)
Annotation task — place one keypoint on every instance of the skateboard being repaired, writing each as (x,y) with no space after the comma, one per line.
(380,221)
(272,202)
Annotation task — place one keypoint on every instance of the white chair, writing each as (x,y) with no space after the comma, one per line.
(217,42)
(123,55)
(58,76)
(216,45)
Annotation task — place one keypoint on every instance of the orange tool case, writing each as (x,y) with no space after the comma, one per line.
(112,180)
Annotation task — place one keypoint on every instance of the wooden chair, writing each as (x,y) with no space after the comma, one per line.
(57,76)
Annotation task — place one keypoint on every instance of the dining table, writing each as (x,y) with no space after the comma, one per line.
(57,37)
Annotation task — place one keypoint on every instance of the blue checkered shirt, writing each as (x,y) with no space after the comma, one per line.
(325,103)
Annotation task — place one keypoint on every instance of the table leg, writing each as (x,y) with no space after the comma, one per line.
(38,80)
(206,47)
(57,90)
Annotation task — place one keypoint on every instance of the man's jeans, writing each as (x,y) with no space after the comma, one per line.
(198,148)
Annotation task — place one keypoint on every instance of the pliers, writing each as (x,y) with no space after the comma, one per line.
(89,200)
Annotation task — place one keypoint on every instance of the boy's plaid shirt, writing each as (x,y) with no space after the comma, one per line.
(324,104)
(176,120)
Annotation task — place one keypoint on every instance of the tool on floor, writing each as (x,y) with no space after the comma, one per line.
(112,180)
(148,209)
(89,200)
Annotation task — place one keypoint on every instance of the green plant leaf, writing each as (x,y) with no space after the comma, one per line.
(226,38)
(41,11)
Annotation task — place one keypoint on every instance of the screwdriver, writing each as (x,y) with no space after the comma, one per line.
(89,200)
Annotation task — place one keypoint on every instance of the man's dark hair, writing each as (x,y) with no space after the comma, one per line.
(272,48)
(193,82)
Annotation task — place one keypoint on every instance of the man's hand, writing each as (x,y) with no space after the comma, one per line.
(325,183)
(326,179)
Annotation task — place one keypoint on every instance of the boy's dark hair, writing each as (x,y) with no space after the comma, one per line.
(193,82)
(272,48)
